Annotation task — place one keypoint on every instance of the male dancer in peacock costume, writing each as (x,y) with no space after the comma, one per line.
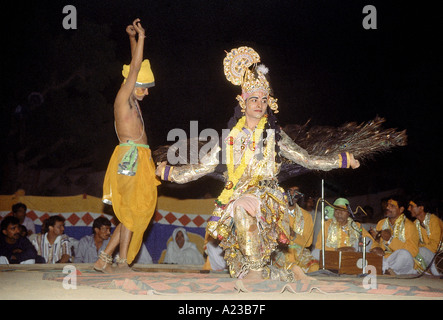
(250,216)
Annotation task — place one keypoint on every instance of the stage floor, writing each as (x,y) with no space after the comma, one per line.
(173,282)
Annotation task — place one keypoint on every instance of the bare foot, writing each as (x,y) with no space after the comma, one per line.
(102,266)
(299,274)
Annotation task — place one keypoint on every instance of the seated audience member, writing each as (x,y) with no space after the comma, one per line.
(181,251)
(430,231)
(90,246)
(14,248)
(342,233)
(398,237)
(215,255)
(19,211)
(53,245)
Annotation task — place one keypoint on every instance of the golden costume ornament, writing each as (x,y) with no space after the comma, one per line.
(236,66)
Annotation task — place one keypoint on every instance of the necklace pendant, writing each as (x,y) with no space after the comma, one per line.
(229,185)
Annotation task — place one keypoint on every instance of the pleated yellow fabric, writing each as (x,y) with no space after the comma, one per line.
(133,198)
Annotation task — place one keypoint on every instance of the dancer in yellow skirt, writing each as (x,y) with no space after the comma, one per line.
(130,183)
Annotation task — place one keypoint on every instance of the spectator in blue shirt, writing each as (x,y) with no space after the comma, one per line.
(90,246)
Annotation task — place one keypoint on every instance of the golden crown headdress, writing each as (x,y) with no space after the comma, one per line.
(236,66)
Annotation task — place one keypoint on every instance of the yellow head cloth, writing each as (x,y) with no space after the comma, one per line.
(145,76)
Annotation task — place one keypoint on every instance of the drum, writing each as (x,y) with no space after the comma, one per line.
(350,262)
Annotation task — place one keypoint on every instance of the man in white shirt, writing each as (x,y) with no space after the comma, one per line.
(54,245)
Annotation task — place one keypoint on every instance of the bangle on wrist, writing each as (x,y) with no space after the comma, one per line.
(345,160)
(166,173)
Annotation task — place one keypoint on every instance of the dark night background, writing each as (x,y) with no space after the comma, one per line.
(324,66)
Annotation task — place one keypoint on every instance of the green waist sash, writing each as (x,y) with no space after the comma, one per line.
(128,164)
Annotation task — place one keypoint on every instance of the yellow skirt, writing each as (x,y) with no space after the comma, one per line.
(133,198)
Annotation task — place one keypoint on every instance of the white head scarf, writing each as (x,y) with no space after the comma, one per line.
(188,254)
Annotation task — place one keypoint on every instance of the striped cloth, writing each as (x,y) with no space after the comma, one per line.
(52,252)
